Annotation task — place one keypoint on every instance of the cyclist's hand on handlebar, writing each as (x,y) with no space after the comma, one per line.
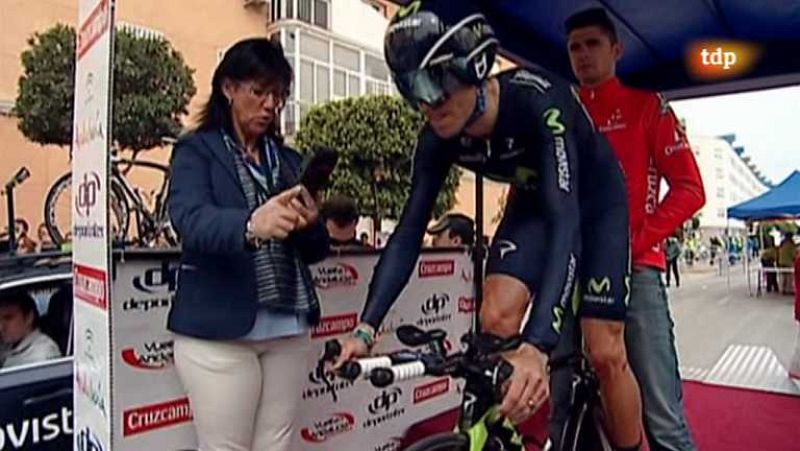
(276,218)
(528,387)
(352,347)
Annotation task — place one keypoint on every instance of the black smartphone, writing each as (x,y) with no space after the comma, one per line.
(317,168)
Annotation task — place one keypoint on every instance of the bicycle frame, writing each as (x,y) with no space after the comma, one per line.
(147,221)
(479,414)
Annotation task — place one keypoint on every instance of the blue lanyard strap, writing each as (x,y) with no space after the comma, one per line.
(270,169)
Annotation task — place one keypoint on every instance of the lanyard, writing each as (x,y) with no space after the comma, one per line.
(270,168)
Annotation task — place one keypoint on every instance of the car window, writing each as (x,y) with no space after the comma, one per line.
(35,320)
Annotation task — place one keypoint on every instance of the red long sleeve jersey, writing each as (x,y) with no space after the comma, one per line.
(650,144)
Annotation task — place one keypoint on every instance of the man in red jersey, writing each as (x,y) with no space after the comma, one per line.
(651,144)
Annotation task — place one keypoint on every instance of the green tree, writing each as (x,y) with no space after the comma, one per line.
(152,89)
(375,137)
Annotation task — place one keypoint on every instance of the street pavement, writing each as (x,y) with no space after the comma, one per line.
(712,312)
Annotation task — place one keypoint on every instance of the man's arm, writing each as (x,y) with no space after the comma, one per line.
(394,267)
(673,159)
(558,189)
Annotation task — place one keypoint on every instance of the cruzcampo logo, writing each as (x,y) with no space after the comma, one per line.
(599,286)
(409,9)
(552,120)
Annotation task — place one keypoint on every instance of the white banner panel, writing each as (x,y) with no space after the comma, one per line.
(90,143)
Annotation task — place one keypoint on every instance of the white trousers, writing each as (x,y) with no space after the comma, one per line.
(244,394)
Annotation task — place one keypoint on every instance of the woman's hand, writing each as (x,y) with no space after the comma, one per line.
(306,207)
(278,217)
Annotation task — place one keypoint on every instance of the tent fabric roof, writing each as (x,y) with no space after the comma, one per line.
(781,201)
(656,34)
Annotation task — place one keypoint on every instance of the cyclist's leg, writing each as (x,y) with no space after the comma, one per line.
(514,266)
(604,290)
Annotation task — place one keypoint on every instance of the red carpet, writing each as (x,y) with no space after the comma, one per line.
(722,419)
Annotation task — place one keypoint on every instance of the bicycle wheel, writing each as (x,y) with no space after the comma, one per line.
(58,211)
(445,441)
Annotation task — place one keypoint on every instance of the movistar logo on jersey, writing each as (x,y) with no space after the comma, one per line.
(599,286)
(553,122)
(409,9)
(558,321)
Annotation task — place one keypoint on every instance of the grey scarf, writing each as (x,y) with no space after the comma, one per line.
(283,281)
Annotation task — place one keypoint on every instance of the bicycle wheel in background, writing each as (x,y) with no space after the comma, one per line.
(445,441)
(58,211)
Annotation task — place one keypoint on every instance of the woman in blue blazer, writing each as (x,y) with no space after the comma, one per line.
(245,299)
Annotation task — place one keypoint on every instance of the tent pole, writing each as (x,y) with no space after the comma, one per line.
(728,250)
(747,259)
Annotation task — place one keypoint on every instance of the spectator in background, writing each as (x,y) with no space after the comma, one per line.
(25,245)
(364,238)
(45,243)
(786,255)
(340,214)
(453,229)
(19,332)
(673,253)
(769,261)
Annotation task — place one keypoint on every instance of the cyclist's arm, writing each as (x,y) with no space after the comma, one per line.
(558,166)
(202,225)
(431,165)
(673,159)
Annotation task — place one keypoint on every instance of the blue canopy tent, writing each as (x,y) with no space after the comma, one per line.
(782,201)
(656,36)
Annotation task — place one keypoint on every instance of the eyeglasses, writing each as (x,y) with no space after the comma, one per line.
(262,94)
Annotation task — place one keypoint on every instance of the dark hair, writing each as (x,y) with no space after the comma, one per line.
(22,300)
(596,17)
(23,223)
(456,224)
(340,209)
(249,59)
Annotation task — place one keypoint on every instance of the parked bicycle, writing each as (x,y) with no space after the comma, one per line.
(479,427)
(153,227)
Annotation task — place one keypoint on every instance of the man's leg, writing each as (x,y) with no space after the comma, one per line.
(669,272)
(677,274)
(651,351)
(605,341)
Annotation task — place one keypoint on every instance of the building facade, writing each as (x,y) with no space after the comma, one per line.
(198,33)
(335,48)
(728,180)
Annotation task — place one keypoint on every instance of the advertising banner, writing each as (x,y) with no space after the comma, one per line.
(151,410)
(90,241)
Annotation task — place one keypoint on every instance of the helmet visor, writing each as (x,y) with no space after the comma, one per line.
(431,85)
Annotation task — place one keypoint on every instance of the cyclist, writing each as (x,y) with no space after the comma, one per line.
(565,220)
